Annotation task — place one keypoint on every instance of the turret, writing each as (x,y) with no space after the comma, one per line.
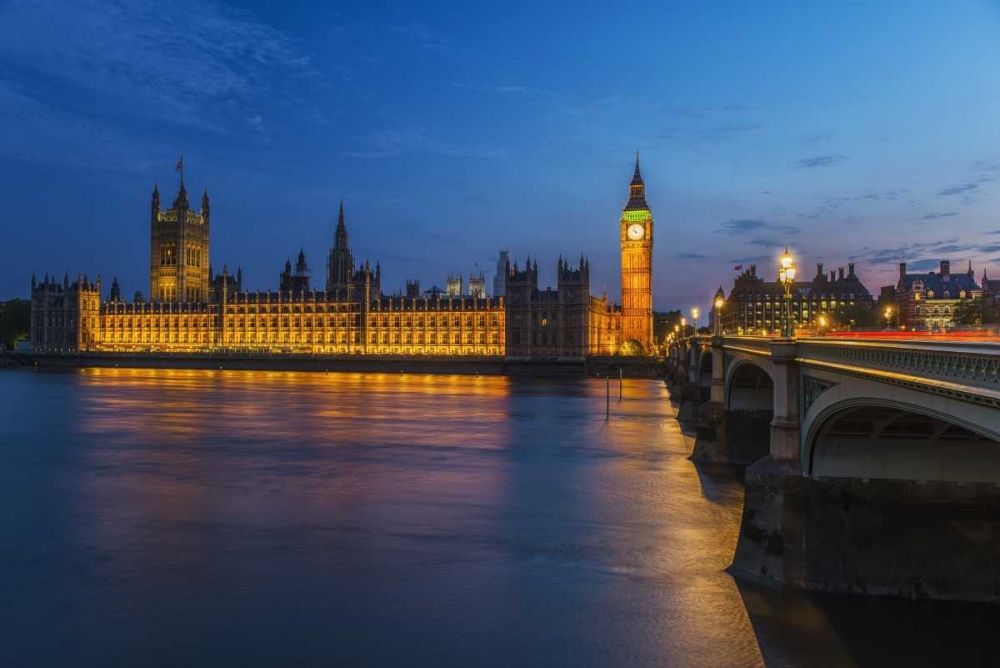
(206,207)
(181,201)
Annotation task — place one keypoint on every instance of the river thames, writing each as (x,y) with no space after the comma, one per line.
(164,518)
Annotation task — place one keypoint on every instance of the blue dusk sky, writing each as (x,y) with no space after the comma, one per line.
(852,131)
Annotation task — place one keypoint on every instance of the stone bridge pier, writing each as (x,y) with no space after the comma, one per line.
(875,466)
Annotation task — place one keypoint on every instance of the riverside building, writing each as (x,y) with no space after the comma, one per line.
(756,306)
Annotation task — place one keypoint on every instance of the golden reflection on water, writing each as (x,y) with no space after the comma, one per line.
(181,405)
(427,471)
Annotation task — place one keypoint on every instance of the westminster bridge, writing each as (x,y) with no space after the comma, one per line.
(874,466)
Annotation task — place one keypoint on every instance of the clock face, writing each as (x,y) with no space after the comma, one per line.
(636,232)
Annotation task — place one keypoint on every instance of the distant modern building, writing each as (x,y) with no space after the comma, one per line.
(500,279)
(928,300)
(755,305)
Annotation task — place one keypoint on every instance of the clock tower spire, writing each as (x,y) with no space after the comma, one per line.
(637,264)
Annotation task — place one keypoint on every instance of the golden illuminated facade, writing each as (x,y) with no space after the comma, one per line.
(189,314)
(637,264)
(190,310)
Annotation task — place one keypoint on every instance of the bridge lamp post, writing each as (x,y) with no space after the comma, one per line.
(719,303)
(684,324)
(786,275)
(695,312)
(888,316)
(822,325)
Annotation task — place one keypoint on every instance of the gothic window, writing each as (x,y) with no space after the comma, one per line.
(168,254)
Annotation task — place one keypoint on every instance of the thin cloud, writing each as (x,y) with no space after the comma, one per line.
(418,33)
(394,142)
(692,256)
(816,138)
(935,216)
(744,225)
(726,131)
(752,259)
(502,90)
(820,161)
(958,190)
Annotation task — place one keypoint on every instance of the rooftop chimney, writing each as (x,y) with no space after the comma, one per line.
(945,267)
(902,270)
(819,269)
(840,272)
(850,269)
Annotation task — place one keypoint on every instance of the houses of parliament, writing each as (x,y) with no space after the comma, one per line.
(190,309)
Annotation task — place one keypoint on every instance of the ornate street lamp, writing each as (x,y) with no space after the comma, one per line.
(695,312)
(684,324)
(719,303)
(888,316)
(786,275)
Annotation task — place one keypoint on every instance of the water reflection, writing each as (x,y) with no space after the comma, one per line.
(175,517)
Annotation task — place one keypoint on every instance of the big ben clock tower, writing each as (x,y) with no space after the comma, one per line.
(637,264)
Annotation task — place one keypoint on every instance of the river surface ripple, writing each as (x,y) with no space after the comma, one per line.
(170,517)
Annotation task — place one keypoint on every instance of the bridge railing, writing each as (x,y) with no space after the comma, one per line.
(967,364)
(757,344)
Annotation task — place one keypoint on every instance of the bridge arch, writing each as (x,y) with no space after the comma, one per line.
(749,402)
(749,385)
(877,437)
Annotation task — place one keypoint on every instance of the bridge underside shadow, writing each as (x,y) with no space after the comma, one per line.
(894,443)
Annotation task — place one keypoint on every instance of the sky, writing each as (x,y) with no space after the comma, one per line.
(850,132)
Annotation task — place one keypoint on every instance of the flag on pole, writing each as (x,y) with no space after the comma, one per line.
(738,267)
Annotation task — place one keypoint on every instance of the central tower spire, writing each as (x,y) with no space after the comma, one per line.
(340,262)
(340,237)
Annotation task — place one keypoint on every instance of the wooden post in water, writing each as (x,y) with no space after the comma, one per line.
(621,379)
(607,403)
